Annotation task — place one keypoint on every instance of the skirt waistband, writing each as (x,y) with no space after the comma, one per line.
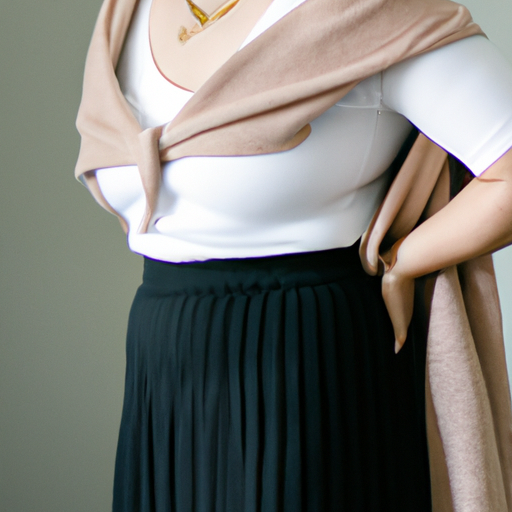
(252,275)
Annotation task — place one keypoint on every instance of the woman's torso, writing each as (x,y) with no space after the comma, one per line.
(316,196)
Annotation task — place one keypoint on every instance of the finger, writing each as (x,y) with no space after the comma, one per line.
(398,297)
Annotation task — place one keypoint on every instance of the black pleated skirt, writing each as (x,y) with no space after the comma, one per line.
(270,385)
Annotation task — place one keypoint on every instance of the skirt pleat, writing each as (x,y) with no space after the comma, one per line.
(270,385)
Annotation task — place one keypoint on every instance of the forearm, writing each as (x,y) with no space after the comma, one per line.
(475,222)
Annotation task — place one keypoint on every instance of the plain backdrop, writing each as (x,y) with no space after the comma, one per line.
(66,278)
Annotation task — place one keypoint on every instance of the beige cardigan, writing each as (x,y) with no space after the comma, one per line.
(259,103)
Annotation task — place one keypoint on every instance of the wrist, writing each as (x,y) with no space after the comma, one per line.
(390,259)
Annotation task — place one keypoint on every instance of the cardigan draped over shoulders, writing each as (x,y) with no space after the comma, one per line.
(259,101)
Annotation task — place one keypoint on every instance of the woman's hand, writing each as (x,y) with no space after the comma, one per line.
(477,221)
(398,294)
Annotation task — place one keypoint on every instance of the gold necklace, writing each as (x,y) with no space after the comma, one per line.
(204,19)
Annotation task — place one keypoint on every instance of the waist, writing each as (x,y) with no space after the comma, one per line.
(250,276)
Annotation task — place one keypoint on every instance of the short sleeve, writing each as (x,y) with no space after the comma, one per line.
(460,96)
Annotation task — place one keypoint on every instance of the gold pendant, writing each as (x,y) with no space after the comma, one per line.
(203,18)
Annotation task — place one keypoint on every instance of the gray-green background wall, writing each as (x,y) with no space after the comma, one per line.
(66,277)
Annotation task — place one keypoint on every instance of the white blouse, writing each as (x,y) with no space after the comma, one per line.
(321,194)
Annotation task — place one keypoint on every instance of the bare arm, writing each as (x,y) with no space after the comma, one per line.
(475,222)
